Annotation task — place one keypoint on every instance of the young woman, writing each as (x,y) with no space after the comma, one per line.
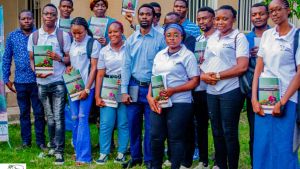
(179,66)
(225,59)
(88,68)
(273,133)
(99,8)
(109,66)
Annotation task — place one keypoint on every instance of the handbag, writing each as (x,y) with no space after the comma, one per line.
(245,80)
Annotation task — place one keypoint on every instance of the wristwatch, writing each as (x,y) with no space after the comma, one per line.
(87,91)
(218,76)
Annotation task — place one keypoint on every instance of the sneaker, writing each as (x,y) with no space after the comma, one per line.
(196,154)
(216,167)
(59,159)
(120,158)
(102,159)
(43,147)
(51,152)
(167,163)
(202,165)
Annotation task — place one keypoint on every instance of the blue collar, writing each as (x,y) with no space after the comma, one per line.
(150,33)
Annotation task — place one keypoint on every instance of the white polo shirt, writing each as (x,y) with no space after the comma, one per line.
(51,39)
(79,58)
(226,51)
(277,53)
(202,86)
(179,68)
(111,60)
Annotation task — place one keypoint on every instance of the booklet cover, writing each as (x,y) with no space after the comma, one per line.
(109,92)
(199,51)
(65,24)
(129,6)
(158,85)
(42,62)
(74,84)
(268,93)
(98,27)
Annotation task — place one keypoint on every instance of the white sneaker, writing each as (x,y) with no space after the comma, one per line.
(102,159)
(201,166)
(183,167)
(215,167)
(167,163)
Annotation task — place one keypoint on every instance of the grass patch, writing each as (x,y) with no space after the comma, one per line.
(30,156)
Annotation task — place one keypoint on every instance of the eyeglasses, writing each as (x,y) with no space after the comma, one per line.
(49,14)
(277,10)
(158,15)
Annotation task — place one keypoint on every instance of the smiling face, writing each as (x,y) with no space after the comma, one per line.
(49,16)
(145,17)
(78,32)
(224,20)
(259,16)
(173,38)
(100,9)
(279,13)
(65,8)
(115,33)
(205,20)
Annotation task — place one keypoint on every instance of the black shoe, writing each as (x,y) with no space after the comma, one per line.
(43,147)
(148,165)
(59,159)
(131,163)
(24,146)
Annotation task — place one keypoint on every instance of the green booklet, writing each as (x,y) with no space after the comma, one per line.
(74,84)
(158,84)
(110,92)
(42,62)
(65,24)
(199,51)
(98,27)
(129,6)
(268,93)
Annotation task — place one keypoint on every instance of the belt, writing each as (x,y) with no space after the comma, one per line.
(140,83)
(113,76)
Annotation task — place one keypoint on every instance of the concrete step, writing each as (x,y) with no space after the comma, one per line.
(13,113)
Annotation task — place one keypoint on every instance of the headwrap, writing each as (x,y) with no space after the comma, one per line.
(175,26)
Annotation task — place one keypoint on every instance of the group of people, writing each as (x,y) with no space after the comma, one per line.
(197,96)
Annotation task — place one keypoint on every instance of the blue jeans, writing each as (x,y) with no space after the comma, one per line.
(135,112)
(53,99)
(172,124)
(27,95)
(110,116)
(81,131)
(224,111)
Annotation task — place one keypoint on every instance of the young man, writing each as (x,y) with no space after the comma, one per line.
(51,86)
(181,7)
(65,8)
(205,18)
(259,19)
(140,50)
(25,81)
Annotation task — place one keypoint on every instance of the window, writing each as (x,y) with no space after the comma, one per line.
(194,5)
(35,7)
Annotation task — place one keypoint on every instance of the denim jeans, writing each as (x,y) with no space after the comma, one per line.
(81,130)
(172,124)
(27,95)
(53,99)
(251,117)
(110,116)
(135,112)
(224,111)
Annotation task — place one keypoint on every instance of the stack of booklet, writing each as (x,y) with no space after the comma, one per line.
(268,93)
(158,84)
(74,84)
(65,24)
(42,62)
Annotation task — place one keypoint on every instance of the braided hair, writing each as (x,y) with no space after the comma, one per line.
(81,21)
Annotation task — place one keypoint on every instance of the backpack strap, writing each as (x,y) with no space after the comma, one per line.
(60,38)
(89,49)
(35,37)
(296,44)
